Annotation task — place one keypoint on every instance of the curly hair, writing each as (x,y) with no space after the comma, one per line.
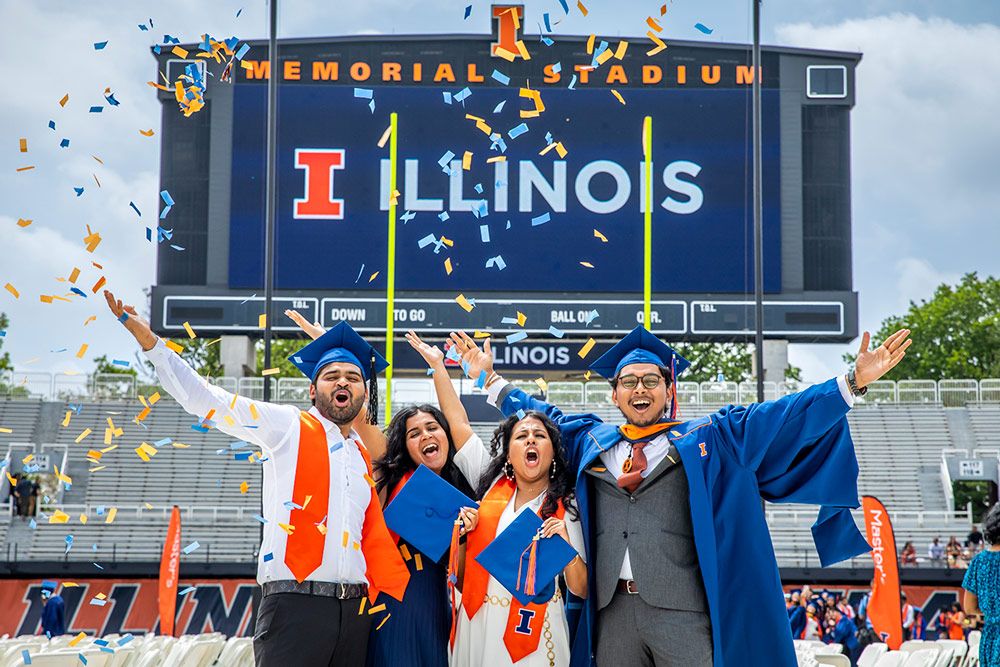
(560,483)
(991,525)
(393,466)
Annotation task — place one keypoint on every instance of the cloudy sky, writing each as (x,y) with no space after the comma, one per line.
(925,153)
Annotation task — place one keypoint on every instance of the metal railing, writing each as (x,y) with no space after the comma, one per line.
(119,386)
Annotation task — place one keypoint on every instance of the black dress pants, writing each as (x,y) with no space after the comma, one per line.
(295,630)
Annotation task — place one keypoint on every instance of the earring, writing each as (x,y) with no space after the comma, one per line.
(508,470)
(552,474)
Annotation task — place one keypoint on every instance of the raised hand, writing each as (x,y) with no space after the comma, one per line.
(136,325)
(873,364)
(470,519)
(478,360)
(553,526)
(314,330)
(432,354)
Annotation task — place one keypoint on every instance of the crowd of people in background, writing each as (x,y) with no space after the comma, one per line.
(955,554)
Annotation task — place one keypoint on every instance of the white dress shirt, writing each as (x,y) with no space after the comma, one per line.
(655,451)
(276,432)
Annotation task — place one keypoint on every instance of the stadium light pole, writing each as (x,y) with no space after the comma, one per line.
(272,132)
(758,254)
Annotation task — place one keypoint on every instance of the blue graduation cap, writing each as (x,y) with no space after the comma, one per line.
(639,347)
(424,511)
(341,343)
(49,585)
(508,559)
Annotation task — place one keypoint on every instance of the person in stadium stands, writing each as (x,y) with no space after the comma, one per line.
(25,487)
(667,566)
(908,556)
(796,614)
(935,551)
(974,540)
(525,470)
(908,614)
(956,622)
(953,551)
(326,546)
(419,631)
(842,631)
(54,611)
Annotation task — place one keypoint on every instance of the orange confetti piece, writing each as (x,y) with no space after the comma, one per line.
(98,265)
(253,411)
(83,351)
(379,626)
(244,487)
(25,168)
(21,222)
(373,276)
(583,10)
(83,435)
(376,609)
(111,515)
(271,371)
(447,266)
(90,319)
(587,264)
(498,158)
(10,288)
(618,95)
(179,52)
(97,158)
(587,347)
(99,284)
(190,331)
(74,275)
(601,236)
(504,53)
(173,346)
(418,561)
(76,640)
(467,160)
(262,321)
(64,100)
(92,240)
(654,24)
(24,145)
(620,51)
(464,303)
(95,178)
(521,318)
(146,133)
(287,528)
(522,49)
(385,137)
(590,44)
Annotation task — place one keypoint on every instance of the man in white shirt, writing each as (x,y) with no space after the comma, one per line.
(325,546)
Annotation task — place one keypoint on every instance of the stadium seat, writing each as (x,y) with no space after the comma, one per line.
(837,660)
(869,657)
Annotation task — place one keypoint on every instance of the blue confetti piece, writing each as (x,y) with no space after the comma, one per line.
(78,191)
(239,444)
(176,247)
(143,27)
(33,524)
(268,557)
(703,28)
(126,639)
(520,414)
(426,241)
(479,188)
(167,199)
(518,131)
(191,547)
(336,446)
(260,518)
(64,143)
(406,217)
(590,317)
(366,93)
(540,219)
(371,105)
(557,67)
(119,362)
(289,505)
(481,380)
(243,51)
(77,290)
(80,655)
(200,429)
(572,83)
(484,233)
(100,510)
(555,332)
(111,100)
(447,96)
(497,262)
(252,296)
(508,320)
(517,336)
(163,442)
(101,642)
(149,234)
(96,109)
(468,11)
(451,354)
(463,94)
(239,12)
(98,566)
(98,46)
(359,276)
(156,49)
(430,371)
(508,225)
(444,216)
(52,124)
(498,108)
(242,456)
(502,78)
(546,41)
(69,543)
(445,159)
(26,656)
(564,6)
(548,27)
(135,208)
(187,590)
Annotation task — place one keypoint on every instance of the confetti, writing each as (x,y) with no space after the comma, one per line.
(146,133)
(618,95)
(601,236)
(464,303)
(587,347)
(83,435)
(587,264)
(516,337)
(191,547)
(556,332)
(703,28)
(583,10)
(98,46)
(540,219)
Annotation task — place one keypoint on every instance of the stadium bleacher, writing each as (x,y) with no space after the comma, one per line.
(898,444)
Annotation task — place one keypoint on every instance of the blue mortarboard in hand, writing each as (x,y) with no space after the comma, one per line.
(508,559)
(424,511)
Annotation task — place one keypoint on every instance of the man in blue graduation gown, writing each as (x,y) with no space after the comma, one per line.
(681,567)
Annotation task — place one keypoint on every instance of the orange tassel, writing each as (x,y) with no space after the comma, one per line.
(529,579)
(453,557)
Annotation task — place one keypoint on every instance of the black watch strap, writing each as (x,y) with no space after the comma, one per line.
(852,383)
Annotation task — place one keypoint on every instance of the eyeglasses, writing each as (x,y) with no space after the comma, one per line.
(648,381)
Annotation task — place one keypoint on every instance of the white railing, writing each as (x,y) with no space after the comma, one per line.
(116,386)
(900,518)
(195,513)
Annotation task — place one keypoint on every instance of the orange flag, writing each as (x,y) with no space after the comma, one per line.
(169,573)
(884,607)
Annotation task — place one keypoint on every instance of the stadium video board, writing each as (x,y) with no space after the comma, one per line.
(520,185)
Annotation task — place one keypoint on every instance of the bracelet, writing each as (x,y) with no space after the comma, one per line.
(493,377)
(852,383)
(123,318)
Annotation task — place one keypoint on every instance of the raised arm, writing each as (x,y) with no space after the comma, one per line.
(451,404)
(264,424)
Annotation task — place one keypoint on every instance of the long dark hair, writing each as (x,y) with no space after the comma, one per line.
(393,466)
(560,483)
(991,525)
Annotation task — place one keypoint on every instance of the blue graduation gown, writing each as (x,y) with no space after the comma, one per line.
(796,449)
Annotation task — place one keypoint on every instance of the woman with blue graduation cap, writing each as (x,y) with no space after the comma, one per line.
(419,626)
(671,510)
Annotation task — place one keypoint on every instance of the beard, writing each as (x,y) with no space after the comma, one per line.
(644,420)
(339,415)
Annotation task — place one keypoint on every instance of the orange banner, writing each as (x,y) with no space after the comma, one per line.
(169,573)
(884,608)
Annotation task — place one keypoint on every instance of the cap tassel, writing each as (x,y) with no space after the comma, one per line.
(673,379)
(456,529)
(373,394)
(529,579)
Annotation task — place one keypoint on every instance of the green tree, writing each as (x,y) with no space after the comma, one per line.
(5,364)
(202,354)
(733,360)
(107,366)
(956,333)
(281,349)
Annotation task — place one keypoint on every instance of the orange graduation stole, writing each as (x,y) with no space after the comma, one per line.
(524,622)
(386,570)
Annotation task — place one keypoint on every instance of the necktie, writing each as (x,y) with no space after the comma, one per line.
(633,468)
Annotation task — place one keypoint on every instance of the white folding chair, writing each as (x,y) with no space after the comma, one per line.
(837,660)
(924,657)
(913,645)
(869,657)
(892,659)
(829,649)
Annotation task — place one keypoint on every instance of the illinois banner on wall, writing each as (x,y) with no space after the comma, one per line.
(884,607)
(170,564)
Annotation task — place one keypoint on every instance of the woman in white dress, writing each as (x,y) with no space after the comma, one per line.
(525,471)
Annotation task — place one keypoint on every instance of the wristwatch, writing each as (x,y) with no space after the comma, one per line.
(852,383)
